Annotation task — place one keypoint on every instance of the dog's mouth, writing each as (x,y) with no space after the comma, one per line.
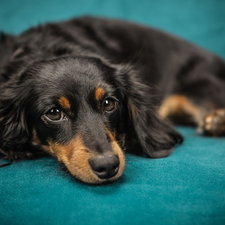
(86,165)
(94,168)
(102,169)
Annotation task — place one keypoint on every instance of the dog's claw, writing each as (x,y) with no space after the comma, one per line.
(214,123)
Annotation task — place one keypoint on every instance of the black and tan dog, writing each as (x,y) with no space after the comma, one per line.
(87,89)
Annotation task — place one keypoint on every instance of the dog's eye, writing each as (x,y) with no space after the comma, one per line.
(54,114)
(109,105)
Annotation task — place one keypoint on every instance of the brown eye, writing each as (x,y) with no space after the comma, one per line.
(54,114)
(109,105)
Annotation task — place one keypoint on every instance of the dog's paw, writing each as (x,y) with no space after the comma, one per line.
(214,123)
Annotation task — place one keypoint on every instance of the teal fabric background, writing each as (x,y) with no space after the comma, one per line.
(188,187)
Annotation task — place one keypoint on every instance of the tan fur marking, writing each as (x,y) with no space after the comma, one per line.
(76,157)
(118,151)
(214,123)
(116,148)
(178,105)
(35,139)
(37,142)
(49,149)
(99,93)
(64,102)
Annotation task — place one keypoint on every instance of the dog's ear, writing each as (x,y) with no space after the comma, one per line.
(10,49)
(6,49)
(155,136)
(15,57)
(14,131)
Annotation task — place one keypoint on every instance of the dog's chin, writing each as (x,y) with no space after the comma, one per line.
(96,181)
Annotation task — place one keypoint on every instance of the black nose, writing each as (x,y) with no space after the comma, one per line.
(105,166)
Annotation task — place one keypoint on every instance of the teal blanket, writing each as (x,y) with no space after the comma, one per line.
(188,187)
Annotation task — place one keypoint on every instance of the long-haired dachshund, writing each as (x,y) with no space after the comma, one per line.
(85,90)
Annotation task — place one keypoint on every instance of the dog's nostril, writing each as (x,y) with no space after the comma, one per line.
(105,166)
(100,170)
(115,169)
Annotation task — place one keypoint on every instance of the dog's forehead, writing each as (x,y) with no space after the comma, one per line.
(56,72)
(72,79)
(73,69)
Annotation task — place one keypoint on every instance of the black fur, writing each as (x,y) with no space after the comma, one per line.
(139,66)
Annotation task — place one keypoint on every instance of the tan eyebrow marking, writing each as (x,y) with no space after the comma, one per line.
(99,93)
(64,102)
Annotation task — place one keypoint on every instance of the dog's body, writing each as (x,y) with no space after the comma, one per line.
(86,89)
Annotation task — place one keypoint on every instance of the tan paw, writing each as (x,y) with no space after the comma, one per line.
(214,123)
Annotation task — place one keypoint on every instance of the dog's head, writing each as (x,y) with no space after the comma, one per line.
(83,111)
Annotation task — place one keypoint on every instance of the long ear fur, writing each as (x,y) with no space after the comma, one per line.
(155,136)
(14,132)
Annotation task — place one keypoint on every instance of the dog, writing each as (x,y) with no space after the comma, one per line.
(87,89)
